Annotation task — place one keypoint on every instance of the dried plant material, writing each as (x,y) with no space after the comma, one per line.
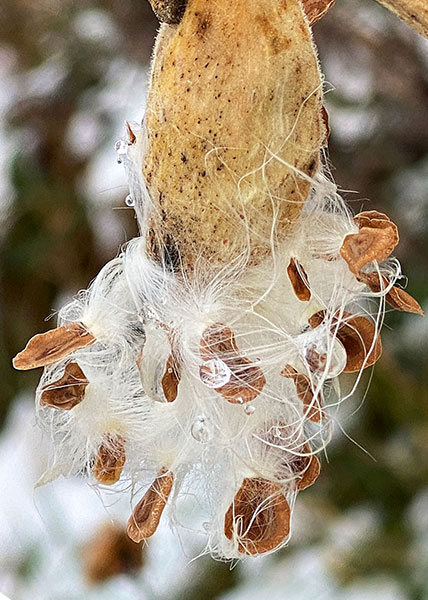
(110,552)
(372,218)
(169,11)
(146,516)
(304,391)
(46,348)
(299,279)
(396,297)
(211,132)
(258,518)
(326,121)
(412,12)
(131,135)
(357,335)
(171,379)
(316,9)
(307,466)
(245,380)
(110,460)
(68,391)
(359,249)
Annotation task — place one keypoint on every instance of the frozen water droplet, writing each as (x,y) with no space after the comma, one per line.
(249,409)
(215,373)
(323,353)
(121,148)
(199,430)
(129,200)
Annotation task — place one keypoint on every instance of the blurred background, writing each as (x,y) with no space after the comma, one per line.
(70,73)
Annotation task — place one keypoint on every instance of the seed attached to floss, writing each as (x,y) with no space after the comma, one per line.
(259,517)
(46,348)
(110,460)
(66,392)
(376,240)
(359,337)
(302,382)
(396,297)
(299,279)
(307,466)
(147,514)
(171,379)
(245,380)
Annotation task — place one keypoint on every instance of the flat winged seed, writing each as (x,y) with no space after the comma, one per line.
(359,249)
(370,218)
(146,516)
(110,459)
(316,9)
(66,392)
(46,348)
(299,279)
(307,467)
(396,297)
(171,379)
(304,391)
(246,379)
(258,518)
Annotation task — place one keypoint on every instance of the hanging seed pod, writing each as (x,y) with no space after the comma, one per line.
(299,279)
(258,518)
(244,380)
(236,138)
(46,348)
(66,392)
(146,516)
(110,460)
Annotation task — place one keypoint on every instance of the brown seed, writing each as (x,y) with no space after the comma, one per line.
(171,379)
(46,348)
(307,467)
(131,135)
(396,297)
(304,391)
(316,9)
(110,460)
(247,380)
(357,335)
(299,279)
(326,121)
(371,218)
(66,392)
(259,516)
(110,552)
(146,516)
(169,11)
(370,243)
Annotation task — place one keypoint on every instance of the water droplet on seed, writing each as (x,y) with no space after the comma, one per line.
(129,200)
(215,373)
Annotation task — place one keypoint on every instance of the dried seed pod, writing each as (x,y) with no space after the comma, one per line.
(246,380)
(68,391)
(299,279)
(146,516)
(46,348)
(169,11)
(307,466)
(219,126)
(412,12)
(357,335)
(171,379)
(259,517)
(396,297)
(316,9)
(304,391)
(110,460)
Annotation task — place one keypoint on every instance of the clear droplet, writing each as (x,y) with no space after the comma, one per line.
(129,200)
(121,148)
(338,360)
(249,409)
(215,373)
(200,430)
(324,354)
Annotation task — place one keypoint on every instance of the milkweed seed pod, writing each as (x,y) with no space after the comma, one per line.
(207,356)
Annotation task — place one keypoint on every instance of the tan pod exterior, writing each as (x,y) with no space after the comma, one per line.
(413,12)
(233,83)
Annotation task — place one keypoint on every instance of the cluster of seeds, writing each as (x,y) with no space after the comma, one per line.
(206,356)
